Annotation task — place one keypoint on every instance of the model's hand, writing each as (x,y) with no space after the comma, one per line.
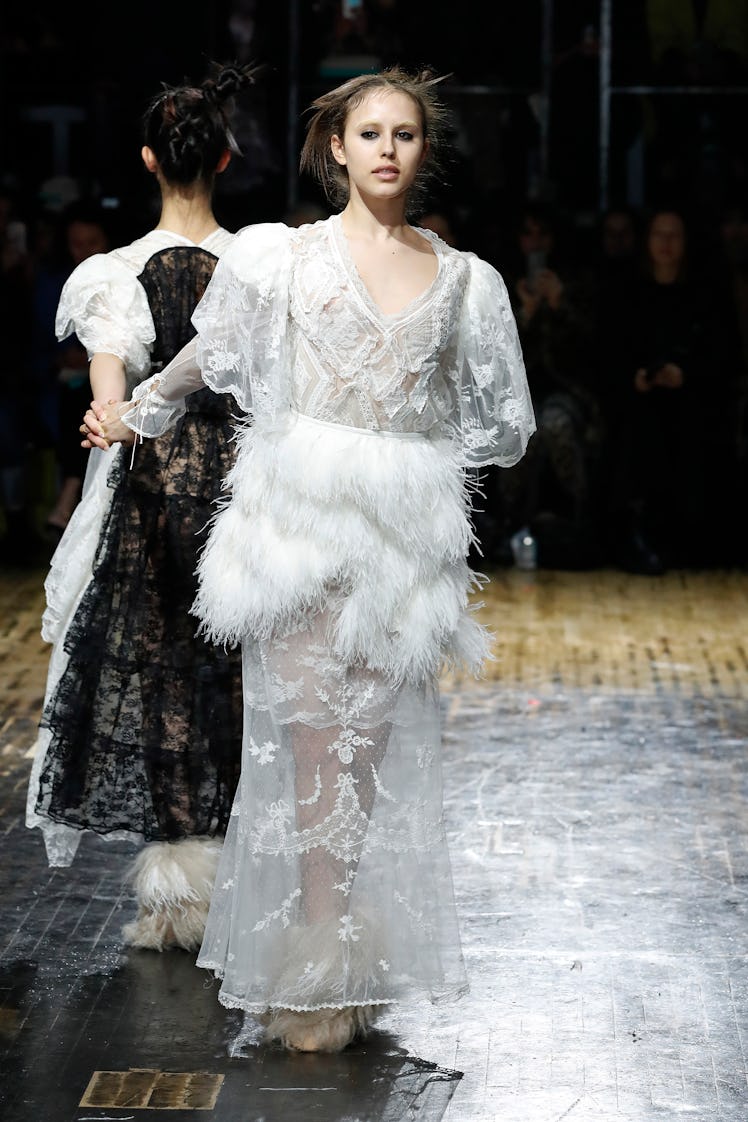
(90,428)
(102,426)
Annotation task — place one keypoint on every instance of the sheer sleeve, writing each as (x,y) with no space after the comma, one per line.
(159,401)
(240,347)
(496,417)
(242,321)
(105,305)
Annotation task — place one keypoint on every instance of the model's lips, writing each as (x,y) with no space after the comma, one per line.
(386,172)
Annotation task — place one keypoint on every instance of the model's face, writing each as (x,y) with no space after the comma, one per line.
(383,145)
(667,240)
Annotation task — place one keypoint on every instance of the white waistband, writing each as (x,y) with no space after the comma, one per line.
(383,434)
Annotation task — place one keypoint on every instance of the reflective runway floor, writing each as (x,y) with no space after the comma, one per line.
(596,799)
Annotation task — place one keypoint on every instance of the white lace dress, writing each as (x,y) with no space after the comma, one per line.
(338,562)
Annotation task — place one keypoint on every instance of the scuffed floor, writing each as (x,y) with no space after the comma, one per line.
(596,798)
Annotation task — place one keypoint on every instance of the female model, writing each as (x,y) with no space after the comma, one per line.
(378,364)
(141,728)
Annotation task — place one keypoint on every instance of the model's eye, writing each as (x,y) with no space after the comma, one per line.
(403,134)
(368,134)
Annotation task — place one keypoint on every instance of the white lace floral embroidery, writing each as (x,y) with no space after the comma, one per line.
(348,930)
(264,753)
(281,913)
(313,798)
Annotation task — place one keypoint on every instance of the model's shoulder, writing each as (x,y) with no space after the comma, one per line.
(114,267)
(479,270)
(261,234)
(134,255)
(311,234)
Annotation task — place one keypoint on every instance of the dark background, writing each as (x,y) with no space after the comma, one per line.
(525,87)
(577,107)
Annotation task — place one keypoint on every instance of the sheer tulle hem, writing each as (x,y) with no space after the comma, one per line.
(258,1008)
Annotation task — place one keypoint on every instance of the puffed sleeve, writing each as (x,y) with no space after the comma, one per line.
(496,417)
(241,321)
(104,303)
(241,343)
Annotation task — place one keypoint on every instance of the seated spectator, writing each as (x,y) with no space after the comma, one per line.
(730,272)
(84,231)
(671,360)
(552,491)
(17,544)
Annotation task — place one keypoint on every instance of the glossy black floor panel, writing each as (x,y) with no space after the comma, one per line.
(598,825)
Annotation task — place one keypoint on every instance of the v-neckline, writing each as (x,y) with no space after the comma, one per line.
(344,252)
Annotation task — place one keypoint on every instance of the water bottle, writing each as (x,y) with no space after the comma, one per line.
(524,549)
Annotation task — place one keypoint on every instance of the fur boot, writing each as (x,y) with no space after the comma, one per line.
(173,882)
(321,1030)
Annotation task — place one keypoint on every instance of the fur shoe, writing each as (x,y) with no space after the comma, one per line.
(321,1030)
(173,882)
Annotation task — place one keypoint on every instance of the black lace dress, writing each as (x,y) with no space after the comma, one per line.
(145,724)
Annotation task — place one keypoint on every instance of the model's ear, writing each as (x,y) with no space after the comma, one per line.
(148,157)
(224,161)
(338,151)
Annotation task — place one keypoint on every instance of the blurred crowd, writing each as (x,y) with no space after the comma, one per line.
(44,386)
(635,337)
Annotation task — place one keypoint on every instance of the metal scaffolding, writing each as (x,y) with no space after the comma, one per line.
(543,96)
(608,91)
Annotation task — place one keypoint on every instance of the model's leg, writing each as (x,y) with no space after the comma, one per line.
(336,758)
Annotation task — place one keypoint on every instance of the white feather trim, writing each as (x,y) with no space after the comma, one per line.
(173,874)
(374,525)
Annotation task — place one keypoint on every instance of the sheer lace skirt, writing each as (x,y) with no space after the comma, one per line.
(334,886)
(142,729)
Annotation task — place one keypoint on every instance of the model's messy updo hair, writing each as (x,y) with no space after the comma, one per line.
(187,126)
(330,113)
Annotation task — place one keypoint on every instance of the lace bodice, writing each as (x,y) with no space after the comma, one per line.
(287,324)
(353,364)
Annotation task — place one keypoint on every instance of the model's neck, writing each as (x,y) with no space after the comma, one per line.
(374,220)
(189,213)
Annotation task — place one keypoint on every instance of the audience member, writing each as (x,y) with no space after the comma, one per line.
(61,369)
(670,366)
(552,490)
(731,273)
(17,540)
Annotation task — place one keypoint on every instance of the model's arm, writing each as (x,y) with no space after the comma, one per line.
(107,377)
(155,406)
